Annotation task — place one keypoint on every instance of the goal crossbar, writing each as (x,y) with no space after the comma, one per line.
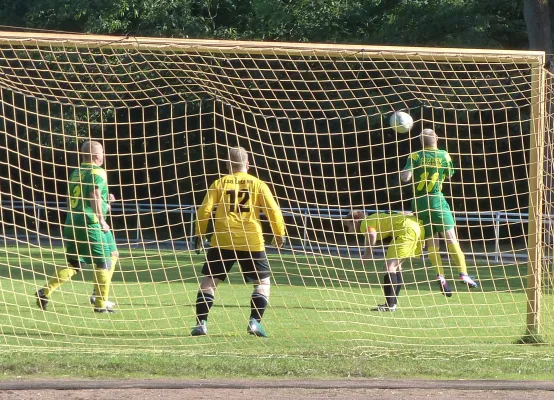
(277,48)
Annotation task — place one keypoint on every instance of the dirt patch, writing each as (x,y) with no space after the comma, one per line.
(275,389)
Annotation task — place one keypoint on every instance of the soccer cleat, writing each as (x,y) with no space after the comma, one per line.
(109,304)
(385,308)
(255,328)
(200,330)
(42,300)
(465,278)
(103,310)
(443,285)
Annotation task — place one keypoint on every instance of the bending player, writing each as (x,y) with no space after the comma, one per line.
(429,168)
(407,240)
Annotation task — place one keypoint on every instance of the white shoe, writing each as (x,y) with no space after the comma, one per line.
(385,308)
(109,304)
(468,281)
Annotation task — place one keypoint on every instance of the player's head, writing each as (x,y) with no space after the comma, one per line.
(92,152)
(238,160)
(353,221)
(429,138)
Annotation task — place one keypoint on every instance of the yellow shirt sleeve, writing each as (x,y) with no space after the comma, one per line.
(272,210)
(204,212)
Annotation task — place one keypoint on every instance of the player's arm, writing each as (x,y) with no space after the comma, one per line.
(204,213)
(370,240)
(406,173)
(96,203)
(111,199)
(449,166)
(273,212)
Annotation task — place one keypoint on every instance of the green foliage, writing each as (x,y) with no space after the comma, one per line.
(465,23)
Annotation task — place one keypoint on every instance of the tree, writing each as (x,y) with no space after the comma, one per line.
(539,29)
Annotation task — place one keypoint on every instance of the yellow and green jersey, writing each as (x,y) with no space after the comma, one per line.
(430,167)
(82,182)
(238,200)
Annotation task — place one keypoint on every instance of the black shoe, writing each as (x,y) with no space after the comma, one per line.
(103,310)
(443,285)
(42,300)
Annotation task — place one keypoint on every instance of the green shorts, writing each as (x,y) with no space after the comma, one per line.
(435,214)
(88,244)
(407,244)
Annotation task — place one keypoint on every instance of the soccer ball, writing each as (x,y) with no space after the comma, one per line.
(401,122)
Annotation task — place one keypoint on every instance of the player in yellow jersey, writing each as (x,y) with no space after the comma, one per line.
(428,168)
(238,199)
(406,232)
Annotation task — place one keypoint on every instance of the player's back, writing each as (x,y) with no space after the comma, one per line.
(82,182)
(430,167)
(239,198)
(388,224)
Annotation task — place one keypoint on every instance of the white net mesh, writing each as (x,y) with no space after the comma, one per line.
(315,123)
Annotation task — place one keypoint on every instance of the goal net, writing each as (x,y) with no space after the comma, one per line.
(314,120)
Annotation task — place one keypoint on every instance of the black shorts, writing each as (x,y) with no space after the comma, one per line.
(253,264)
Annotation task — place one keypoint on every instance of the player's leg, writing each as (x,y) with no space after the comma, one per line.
(258,305)
(425,215)
(63,274)
(457,255)
(204,302)
(399,280)
(433,247)
(114,257)
(98,243)
(406,245)
(433,251)
(390,285)
(110,250)
(444,223)
(255,269)
(215,269)
(102,276)
(441,219)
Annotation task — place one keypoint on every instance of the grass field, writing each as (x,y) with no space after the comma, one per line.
(319,321)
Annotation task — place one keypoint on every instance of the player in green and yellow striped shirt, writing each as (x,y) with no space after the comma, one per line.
(87,236)
(428,169)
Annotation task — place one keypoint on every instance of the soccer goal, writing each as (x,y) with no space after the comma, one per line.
(314,120)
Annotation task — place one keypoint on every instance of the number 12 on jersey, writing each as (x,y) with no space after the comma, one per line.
(239,202)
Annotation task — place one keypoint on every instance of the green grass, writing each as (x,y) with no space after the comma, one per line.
(319,321)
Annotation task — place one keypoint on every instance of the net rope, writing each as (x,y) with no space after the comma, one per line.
(315,123)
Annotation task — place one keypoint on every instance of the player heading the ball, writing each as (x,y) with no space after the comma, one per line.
(428,168)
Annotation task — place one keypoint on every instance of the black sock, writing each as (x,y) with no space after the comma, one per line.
(388,288)
(204,302)
(258,304)
(398,286)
